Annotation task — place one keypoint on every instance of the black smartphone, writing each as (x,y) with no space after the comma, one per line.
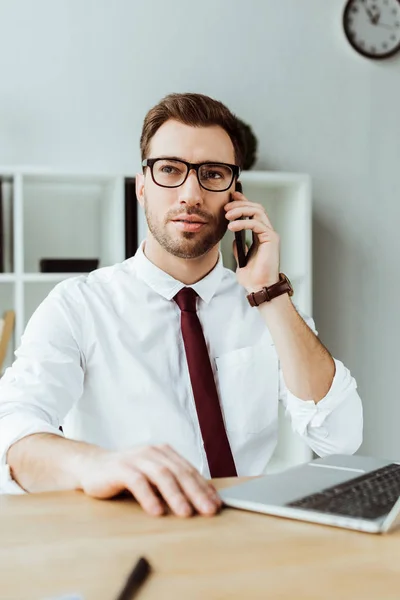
(240,237)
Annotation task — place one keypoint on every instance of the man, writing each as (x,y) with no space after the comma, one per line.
(162,370)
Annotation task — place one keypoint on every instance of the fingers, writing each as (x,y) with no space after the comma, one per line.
(258,227)
(250,210)
(140,488)
(201,493)
(159,469)
(168,486)
(261,233)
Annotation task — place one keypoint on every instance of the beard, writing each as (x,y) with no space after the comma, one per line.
(186,244)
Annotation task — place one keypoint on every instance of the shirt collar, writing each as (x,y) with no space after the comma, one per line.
(167,286)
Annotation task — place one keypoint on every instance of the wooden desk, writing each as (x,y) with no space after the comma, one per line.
(56,543)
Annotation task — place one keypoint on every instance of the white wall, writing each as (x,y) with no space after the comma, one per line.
(77,77)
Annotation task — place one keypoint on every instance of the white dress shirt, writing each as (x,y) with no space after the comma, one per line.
(103,356)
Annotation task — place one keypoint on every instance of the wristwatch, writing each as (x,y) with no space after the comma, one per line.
(283,286)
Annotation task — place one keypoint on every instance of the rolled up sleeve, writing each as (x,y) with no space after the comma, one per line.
(45,380)
(334,425)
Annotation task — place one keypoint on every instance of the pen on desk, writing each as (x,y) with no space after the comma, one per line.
(137,576)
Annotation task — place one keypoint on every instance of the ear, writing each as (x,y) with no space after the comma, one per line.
(139,182)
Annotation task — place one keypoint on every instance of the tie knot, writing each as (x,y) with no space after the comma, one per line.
(186,299)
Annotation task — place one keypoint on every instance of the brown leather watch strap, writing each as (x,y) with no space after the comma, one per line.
(283,286)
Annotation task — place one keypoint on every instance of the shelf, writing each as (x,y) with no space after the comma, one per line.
(55,213)
(48,277)
(75,217)
(49,174)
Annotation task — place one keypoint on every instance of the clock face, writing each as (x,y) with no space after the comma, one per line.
(373,27)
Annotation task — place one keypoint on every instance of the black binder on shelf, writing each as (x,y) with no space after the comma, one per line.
(6,225)
(68,265)
(131,218)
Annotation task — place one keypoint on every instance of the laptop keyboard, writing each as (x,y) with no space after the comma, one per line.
(369,496)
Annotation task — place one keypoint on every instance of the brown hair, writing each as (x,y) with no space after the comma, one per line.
(195,110)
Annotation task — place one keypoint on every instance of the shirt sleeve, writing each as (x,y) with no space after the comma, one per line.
(334,425)
(45,380)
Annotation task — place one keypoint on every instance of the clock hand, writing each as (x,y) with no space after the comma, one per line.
(370,14)
(376,18)
(384,25)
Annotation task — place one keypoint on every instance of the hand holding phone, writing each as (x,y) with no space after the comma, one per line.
(263,251)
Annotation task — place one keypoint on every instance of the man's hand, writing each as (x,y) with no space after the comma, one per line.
(155,475)
(262,269)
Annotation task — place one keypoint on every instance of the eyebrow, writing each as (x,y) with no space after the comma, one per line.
(184,160)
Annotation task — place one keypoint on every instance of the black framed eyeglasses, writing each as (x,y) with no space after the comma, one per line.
(172,173)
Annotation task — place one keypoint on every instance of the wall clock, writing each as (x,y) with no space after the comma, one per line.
(373,27)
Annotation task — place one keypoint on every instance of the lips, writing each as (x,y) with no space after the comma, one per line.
(188,219)
(189,223)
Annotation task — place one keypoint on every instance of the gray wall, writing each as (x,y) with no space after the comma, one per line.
(77,77)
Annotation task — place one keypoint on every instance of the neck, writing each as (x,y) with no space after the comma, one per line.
(186,270)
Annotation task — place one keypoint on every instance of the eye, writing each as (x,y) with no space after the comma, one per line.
(168,169)
(217,173)
(210,174)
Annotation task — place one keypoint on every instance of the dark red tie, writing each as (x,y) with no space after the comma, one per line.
(216,444)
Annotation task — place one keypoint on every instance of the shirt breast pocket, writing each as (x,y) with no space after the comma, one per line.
(248,381)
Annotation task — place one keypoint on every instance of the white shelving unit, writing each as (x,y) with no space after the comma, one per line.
(48,214)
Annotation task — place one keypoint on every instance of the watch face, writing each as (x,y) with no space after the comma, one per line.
(373,27)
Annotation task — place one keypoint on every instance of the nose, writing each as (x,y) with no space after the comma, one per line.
(191,192)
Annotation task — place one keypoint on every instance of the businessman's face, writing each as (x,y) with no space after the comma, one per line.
(187,220)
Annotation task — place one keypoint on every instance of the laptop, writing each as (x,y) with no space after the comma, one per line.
(355,492)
